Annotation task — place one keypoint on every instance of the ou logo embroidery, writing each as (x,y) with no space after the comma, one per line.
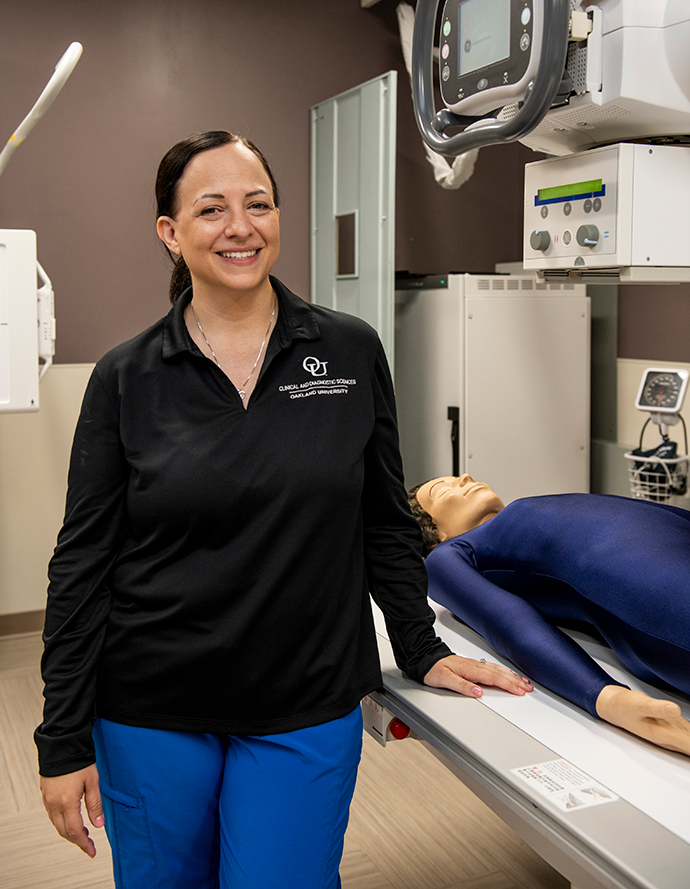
(315,367)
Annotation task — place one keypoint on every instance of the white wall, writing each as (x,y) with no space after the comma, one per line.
(34,456)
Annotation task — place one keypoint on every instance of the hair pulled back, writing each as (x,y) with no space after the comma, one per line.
(171,170)
(430,536)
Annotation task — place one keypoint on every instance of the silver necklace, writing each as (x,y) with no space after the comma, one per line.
(241,391)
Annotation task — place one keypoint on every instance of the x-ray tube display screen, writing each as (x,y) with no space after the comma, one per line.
(483,34)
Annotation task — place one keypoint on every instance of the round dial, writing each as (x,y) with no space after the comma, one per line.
(540,240)
(661,390)
(587,236)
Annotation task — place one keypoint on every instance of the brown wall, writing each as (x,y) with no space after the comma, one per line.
(654,322)
(154,71)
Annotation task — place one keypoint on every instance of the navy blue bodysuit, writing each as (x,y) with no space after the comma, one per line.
(616,564)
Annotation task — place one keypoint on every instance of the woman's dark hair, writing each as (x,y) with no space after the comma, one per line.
(170,171)
(428,527)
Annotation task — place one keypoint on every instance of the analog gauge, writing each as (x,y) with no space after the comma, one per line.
(662,390)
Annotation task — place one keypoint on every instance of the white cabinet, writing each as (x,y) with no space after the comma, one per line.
(512,355)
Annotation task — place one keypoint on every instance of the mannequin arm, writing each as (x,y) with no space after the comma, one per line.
(515,628)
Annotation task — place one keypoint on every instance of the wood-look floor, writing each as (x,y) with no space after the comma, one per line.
(413,825)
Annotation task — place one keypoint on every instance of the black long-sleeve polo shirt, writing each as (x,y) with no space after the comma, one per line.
(213,570)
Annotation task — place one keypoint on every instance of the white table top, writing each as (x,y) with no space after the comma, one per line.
(650,783)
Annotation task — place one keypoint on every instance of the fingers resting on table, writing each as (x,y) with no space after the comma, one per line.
(466,675)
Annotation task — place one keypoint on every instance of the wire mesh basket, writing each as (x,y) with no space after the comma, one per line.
(657,478)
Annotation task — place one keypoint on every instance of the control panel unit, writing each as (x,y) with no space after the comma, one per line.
(612,210)
(488,52)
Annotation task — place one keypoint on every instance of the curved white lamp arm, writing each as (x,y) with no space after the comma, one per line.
(63,69)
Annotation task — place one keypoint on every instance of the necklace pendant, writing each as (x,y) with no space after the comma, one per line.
(241,391)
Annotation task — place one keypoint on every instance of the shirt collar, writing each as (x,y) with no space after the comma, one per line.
(296,321)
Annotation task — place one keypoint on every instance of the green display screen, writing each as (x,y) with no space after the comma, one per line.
(574,190)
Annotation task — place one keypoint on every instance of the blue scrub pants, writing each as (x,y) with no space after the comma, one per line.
(203,811)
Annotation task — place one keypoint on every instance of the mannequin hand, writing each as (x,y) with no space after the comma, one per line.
(62,799)
(660,722)
(461,673)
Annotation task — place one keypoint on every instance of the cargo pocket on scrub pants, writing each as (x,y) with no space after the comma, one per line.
(129,835)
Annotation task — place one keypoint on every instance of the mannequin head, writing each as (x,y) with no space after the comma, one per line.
(449,506)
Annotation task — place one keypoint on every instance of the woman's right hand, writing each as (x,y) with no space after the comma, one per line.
(461,674)
(62,799)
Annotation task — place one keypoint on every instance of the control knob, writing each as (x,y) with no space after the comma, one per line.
(540,240)
(587,236)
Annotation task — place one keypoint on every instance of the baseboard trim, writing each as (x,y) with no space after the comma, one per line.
(22,622)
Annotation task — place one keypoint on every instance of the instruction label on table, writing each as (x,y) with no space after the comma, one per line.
(566,786)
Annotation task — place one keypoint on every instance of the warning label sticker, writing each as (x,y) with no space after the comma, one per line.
(565,785)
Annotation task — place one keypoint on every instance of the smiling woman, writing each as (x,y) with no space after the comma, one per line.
(171,171)
(222,224)
(225,224)
(235,495)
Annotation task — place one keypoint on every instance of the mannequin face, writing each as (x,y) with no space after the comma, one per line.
(458,503)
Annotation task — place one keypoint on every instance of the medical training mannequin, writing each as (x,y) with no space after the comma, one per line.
(616,564)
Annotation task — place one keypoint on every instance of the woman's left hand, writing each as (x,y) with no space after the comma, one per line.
(462,673)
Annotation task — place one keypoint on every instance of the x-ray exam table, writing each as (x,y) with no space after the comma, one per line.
(635,829)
